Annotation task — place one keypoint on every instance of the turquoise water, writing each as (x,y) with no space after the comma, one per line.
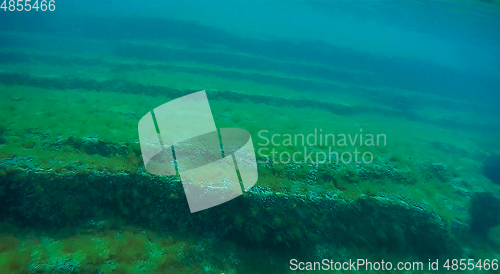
(425,75)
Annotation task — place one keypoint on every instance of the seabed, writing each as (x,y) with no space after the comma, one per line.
(75,196)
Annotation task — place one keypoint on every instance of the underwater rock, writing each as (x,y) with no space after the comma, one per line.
(440,171)
(484,213)
(491,168)
(261,217)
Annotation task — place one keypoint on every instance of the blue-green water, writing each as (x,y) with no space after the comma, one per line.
(74,83)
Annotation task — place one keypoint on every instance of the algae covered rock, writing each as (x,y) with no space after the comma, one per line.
(484,212)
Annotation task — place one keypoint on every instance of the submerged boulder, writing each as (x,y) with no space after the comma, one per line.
(484,213)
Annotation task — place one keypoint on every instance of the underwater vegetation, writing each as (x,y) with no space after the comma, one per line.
(76,175)
(63,173)
(76,198)
(129,250)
